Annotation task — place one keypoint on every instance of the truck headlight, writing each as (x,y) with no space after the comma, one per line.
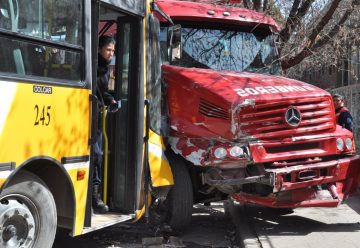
(340,144)
(348,143)
(236,151)
(220,152)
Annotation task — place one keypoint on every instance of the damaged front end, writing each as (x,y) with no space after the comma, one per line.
(236,170)
(313,183)
(261,139)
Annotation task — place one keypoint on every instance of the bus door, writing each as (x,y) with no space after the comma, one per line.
(124,129)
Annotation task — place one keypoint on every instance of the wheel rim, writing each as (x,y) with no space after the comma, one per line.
(18,221)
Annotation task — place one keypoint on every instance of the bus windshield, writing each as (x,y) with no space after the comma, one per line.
(228,50)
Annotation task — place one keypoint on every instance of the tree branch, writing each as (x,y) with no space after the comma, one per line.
(287,63)
(285,33)
(294,19)
(333,32)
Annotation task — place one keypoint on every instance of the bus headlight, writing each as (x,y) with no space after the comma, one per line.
(340,144)
(236,151)
(348,143)
(220,153)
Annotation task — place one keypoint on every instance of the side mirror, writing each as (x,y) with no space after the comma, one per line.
(174,42)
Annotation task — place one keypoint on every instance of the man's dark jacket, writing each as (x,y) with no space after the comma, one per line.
(103,76)
(344,118)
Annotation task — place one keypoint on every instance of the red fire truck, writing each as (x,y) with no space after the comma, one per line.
(238,127)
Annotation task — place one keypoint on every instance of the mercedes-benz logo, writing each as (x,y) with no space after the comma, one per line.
(293,117)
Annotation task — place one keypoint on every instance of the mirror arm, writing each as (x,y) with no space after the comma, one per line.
(156,8)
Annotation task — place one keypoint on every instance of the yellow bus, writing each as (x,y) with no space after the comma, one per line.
(48,116)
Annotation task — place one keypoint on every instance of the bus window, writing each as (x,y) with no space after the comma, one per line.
(110,28)
(24,58)
(48,20)
(125,60)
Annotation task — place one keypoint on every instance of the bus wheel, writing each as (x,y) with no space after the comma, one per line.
(180,198)
(27,213)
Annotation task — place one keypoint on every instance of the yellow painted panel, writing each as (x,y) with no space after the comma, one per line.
(2,181)
(81,194)
(54,125)
(50,121)
(160,170)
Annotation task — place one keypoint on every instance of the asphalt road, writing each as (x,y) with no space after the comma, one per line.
(300,228)
(209,228)
(249,226)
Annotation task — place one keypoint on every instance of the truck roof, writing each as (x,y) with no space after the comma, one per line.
(205,12)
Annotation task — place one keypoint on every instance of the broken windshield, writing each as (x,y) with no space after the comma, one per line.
(228,50)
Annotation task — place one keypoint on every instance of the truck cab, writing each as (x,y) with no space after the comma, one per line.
(239,127)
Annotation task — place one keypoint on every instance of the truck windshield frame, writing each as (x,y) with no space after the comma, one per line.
(226,50)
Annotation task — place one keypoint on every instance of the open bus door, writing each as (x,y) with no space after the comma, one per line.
(124,129)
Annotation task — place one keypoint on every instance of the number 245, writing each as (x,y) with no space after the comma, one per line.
(43,116)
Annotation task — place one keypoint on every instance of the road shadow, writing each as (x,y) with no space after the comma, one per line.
(354,201)
(279,222)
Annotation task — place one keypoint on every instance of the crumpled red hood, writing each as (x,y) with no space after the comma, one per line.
(235,87)
(211,104)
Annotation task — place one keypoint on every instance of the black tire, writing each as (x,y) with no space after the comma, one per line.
(180,198)
(27,213)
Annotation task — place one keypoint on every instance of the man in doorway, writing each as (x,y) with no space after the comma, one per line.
(343,116)
(105,55)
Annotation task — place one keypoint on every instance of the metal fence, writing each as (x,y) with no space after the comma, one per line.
(351,95)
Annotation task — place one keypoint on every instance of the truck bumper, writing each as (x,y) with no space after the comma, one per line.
(323,184)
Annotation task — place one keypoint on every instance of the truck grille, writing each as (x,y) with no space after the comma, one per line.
(211,110)
(267,120)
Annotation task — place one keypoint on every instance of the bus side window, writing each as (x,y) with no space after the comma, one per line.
(57,21)
(4,15)
(6,65)
(33,56)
